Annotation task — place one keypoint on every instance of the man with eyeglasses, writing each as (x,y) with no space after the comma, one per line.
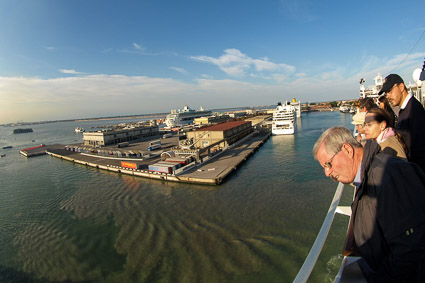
(388,212)
(411,118)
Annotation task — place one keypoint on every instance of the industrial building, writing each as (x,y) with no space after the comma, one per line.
(211,119)
(110,137)
(222,135)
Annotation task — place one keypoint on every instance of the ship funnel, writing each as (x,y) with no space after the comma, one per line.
(294,100)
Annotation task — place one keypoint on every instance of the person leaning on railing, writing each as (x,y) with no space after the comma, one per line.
(377,127)
(388,212)
(411,117)
(358,121)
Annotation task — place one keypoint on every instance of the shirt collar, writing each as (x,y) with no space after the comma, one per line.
(357,180)
(406,100)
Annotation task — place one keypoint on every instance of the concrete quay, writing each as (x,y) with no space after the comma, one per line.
(211,172)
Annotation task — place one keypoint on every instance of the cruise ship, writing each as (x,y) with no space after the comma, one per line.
(178,118)
(283,119)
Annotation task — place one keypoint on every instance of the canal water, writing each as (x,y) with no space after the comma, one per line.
(61,221)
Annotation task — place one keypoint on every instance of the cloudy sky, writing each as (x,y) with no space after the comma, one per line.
(92,58)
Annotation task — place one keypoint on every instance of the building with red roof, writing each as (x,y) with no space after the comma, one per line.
(221,135)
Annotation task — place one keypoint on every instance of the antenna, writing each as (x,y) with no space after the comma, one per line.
(408,53)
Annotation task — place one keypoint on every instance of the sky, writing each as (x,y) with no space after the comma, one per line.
(63,59)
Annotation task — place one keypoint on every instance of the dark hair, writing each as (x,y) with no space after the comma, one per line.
(384,100)
(380,115)
(368,103)
(389,109)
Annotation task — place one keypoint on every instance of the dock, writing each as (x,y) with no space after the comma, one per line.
(210,172)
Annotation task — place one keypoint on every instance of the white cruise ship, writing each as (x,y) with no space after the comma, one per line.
(184,117)
(283,119)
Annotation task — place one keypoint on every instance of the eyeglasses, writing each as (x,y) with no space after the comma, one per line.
(369,124)
(328,165)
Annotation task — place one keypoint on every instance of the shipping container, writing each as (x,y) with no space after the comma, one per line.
(173,165)
(177,160)
(160,168)
(130,165)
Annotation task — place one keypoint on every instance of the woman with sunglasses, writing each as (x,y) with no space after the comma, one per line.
(377,127)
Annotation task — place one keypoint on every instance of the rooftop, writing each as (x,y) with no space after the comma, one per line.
(223,126)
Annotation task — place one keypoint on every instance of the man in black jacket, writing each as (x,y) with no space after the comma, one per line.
(411,118)
(388,213)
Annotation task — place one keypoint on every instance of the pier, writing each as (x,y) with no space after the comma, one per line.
(212,171)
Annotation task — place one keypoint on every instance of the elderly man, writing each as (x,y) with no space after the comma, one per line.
(411,118)
(388,211)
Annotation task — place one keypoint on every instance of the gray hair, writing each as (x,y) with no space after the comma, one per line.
(334,138)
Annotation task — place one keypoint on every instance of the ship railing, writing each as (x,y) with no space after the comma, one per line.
(310,261)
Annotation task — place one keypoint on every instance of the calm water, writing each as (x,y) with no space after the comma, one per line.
(63,221)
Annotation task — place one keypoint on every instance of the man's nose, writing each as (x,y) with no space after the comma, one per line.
(327,172)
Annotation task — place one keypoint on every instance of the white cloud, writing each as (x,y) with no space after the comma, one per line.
(180,70)
(237,64)
(138,46)
(35,99)
(70,71)
(50,48)
(206,76)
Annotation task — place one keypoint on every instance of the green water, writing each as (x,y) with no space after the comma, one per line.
(61,221)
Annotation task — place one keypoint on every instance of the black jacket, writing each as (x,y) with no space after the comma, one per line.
(389,217)
(411,124)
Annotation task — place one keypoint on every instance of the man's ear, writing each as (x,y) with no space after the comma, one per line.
(348,149)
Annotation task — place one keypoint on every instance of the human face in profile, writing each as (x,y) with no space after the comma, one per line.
(372,128)
(395,95)
(338,166)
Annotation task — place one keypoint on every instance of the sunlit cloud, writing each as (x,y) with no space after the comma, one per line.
(237,64)
(70,72)
(68,97)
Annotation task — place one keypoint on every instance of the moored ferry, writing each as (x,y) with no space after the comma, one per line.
(283,119)
(178,118)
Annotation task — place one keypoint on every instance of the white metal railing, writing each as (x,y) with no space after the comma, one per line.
(314,253)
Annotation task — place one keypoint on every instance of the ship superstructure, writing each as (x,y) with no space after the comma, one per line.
(284,119)
(178,118)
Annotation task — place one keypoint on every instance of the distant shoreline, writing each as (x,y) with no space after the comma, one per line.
(151,115)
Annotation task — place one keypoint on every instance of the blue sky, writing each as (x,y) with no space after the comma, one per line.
(63,59)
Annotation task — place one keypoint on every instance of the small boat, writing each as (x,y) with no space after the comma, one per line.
(3,155)
(344,109)
(8,146)
(79,130)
